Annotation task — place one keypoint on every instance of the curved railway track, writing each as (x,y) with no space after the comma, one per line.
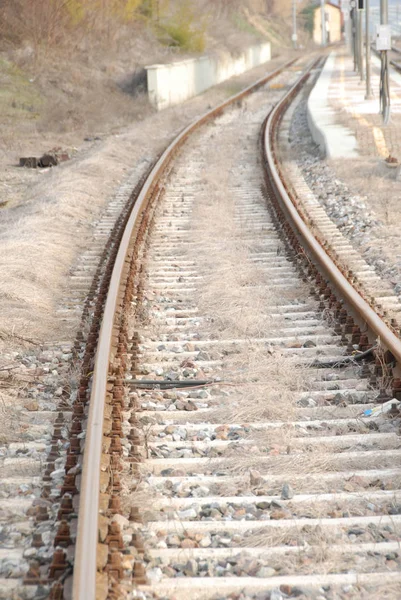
(230,449)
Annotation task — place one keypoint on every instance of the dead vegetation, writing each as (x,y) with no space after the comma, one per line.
(9,417)
(267,384)
(242,301)
(47,221)
(73,71)
(76,67)
(236,299)
(55,24)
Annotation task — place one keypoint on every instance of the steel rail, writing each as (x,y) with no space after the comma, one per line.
(85,562)
(308,241)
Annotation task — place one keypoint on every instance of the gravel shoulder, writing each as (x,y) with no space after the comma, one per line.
(361,197)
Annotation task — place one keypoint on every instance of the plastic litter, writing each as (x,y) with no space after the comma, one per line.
(381,408)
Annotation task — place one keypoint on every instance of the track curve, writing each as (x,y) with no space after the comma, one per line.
(300,335)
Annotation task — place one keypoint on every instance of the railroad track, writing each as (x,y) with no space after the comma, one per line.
(230,449)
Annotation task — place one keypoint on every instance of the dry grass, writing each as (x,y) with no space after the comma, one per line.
(377,185)
(238,297)
(311,535)
(135,492)
(41,236)
(390,591)
(37,251)
(13,394)
(304,483)
(47,222)
(24,467)
(268,383)
(9,419)
(277,464)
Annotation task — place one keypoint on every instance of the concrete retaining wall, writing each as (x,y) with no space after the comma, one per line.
(175,82)
(335,140)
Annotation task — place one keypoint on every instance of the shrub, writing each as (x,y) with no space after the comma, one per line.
(183,36)
(185,28)
(308,14)
(49,23)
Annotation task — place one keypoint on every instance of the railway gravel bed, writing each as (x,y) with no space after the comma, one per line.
(248,433)
(35,433)
(365,223)
(261,473)
(40,388)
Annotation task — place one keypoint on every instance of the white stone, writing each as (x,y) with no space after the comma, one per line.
(190,513)
(205,542)
(155,575)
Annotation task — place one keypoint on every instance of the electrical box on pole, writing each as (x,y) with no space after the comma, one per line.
(361,4)
(383,38)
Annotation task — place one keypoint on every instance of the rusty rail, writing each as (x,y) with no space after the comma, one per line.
(85,569)
(85,564)
(359,306)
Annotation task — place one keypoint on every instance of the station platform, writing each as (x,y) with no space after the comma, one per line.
(343,122)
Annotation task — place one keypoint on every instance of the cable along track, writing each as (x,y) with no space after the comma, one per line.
(250,469)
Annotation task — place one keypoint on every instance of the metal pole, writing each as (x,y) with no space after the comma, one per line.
(384,12)
(367,49)
(384,79)
(357,47)
(353,30)
(351,18)
(322,10)
(360,41)
(294,24)
(348,30)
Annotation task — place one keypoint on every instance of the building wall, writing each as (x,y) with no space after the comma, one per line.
(333,23)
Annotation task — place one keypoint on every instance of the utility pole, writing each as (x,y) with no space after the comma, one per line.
(346,10)
(353,37)
(360,44)
(368,95)
(294,24)
(323,15)
(383,45)
(357,61)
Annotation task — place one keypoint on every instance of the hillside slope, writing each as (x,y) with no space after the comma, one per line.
(61,83)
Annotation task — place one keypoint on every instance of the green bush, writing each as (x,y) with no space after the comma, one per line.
(243,25)
(184,36)
(184,28)
(308,14)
